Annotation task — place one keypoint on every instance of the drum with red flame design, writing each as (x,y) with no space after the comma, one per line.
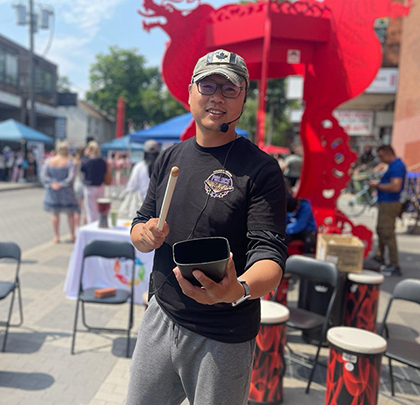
(354,366)
(362,297)
(269,366)
(280,293)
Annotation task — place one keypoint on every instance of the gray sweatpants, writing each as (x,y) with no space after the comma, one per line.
(171,363)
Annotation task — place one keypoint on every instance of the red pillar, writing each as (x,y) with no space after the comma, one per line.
(120,117)
(262,87)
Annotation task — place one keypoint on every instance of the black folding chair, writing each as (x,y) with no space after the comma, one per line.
(110,250)
(402,350)
(10,250)
(304,320)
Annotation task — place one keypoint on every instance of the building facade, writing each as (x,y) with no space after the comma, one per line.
(84,122)
(14,88)
(406,131)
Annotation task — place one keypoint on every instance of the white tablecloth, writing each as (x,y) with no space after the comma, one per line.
(101,272)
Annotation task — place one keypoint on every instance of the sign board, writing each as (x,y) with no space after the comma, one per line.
(293,56)
(67,99)
(355,122)
(60,128)
(294,88)
(385,82)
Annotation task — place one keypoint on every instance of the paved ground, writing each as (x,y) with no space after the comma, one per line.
(38,368)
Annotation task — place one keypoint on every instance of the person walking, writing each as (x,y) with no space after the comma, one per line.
(96,172)
(78,183)
(57,177)
(389,189)
(198,342)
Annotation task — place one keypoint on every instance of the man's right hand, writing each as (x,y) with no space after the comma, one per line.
(146,237)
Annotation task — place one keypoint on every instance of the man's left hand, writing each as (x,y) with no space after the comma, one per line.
(227,290)
(373,183)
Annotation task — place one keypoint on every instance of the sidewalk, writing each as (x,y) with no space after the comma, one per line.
(8,185)
(38,368)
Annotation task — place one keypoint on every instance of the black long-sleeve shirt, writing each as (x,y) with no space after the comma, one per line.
(246,205)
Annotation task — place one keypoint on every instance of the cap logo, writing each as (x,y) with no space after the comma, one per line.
(221,57)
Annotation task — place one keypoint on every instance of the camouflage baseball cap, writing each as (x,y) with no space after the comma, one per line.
(224,63)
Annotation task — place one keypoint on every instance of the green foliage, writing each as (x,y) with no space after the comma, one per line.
(276,106)
(63,84)
(122,73)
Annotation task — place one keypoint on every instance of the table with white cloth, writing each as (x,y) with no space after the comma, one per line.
(100,272)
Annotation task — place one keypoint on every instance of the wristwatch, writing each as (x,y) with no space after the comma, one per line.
(246,296)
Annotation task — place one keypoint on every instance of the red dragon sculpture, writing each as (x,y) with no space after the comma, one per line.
(340,55)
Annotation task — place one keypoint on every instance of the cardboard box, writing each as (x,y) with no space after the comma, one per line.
(345,251)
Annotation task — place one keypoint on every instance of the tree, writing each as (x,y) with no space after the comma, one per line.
(122,73)
(63,84)
(277,123)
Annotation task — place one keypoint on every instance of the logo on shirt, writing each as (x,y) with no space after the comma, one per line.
(219,184)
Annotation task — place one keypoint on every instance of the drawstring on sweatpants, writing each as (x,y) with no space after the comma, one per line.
(175,332)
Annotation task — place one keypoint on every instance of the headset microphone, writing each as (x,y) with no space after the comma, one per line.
(225,126)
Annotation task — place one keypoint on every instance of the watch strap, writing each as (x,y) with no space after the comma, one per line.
(246,296)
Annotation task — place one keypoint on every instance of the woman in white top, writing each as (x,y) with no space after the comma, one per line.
(138,183)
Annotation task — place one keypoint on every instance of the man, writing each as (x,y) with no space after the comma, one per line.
(301,223)
(199,342)
(389,207)
(292,166)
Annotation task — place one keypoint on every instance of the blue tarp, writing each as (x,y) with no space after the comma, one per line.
(169,131)
(122,143)
(13,131)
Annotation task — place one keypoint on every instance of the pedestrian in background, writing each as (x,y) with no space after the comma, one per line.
(2,167)
(96,174)
(57,177)
(135,192)
(78,183)
(389,208)
(301,223)
(292,166)
(17,166)
(9,156)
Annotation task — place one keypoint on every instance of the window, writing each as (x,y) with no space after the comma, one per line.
(8,68)
(44,84)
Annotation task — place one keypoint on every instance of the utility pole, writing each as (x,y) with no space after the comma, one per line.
(31,19)
(31,67)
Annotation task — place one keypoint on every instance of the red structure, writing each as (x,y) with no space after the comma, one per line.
(332,44)
(120,117)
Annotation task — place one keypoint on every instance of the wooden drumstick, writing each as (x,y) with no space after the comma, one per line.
(170,187)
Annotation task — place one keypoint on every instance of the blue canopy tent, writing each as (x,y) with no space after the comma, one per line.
(122,143)
(169,131)
(13,131)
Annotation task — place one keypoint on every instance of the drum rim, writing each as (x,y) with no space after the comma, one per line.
(358,354)
(354,347)
(278,320)
(366,277)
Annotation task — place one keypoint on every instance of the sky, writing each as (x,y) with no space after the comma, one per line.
(84,28)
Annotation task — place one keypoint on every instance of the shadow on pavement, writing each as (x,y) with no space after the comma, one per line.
(25,381)
(119,346)
(28,343)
